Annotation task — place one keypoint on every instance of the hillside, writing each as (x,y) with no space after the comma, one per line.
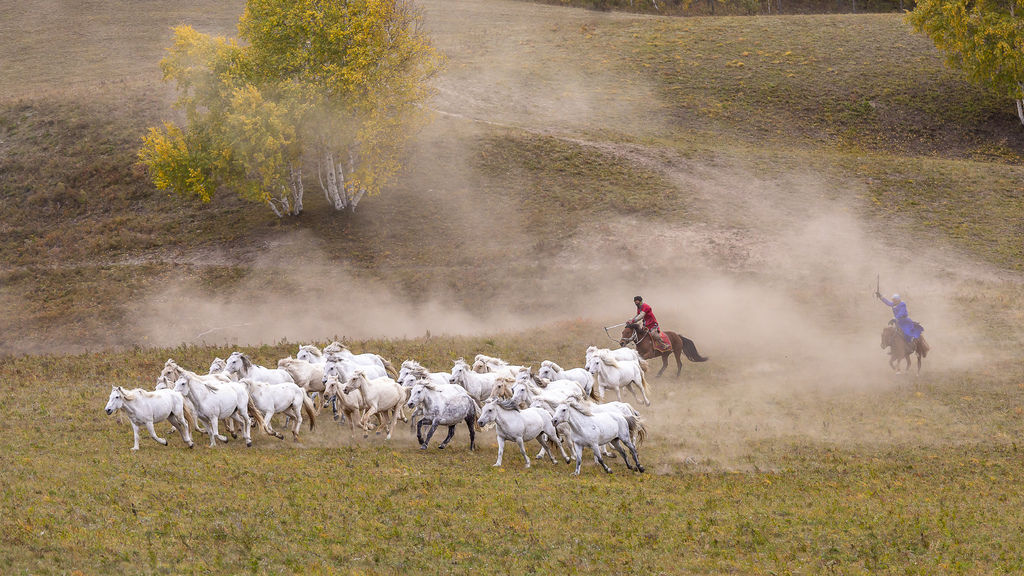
(555,146)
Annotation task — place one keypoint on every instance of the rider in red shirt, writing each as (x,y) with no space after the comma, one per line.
(645,313)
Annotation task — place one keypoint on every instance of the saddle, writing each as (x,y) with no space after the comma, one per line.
(660,344)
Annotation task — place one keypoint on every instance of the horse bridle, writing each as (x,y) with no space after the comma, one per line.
(635,339)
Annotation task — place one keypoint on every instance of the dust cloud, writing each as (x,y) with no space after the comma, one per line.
(773,278)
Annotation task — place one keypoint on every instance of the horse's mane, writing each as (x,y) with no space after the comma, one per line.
(607,359)
(134,393)
(419,371)
(506,404)
(428,384)
(553,366)
(334,348)
(581,407)
(312,350)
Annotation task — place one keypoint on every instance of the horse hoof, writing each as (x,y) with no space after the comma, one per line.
(248,444)
(441,447)
(640,468)
(423,446)
(191,445)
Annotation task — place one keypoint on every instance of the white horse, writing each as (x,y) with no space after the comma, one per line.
(343,368)
(520,426)
(484,364)
(551,371)
(380,395)
(145,408)
(610,372)
(618,354)
(350,404)
(443,405)
(412,371)
(239,365)
(170,374)
(594,429)
(558,388)
(217,366)
(309,376)
(366,360)
(526,393)
(222,400)
(286,398)
(480,386)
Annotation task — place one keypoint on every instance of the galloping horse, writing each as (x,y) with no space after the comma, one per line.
(645,347)
(900,349)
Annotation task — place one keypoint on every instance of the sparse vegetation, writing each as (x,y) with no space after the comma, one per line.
(753,467)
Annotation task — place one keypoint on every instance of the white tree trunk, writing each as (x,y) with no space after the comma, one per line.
(335,184)
(297,190)
(1020,104)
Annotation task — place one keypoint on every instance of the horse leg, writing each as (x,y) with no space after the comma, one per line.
(448,438)
(578,453)
(501,450)
(298,422)
(664,364)
(152,433)
(419,434)
(470,421)
(270,429)
(394,421)
(632,450)
(618,448)
(365,421)
(522,450)
(430,432)
(135,430)
(679,361)
(242,416)
(213,424)
(181,424)
(597,457)
(643,391)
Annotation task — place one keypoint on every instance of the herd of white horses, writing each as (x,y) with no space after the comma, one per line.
(553,406)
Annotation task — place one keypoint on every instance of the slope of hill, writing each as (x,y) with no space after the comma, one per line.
(559,147)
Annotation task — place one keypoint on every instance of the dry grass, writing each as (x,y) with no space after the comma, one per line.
(569,131)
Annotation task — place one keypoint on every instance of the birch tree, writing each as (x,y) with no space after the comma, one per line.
(322,89)
(983,38)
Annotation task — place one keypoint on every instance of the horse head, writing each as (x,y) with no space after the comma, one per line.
(629,333)
(116,400)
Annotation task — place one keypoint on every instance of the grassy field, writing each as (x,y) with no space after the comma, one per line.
(885,485)
(753,176)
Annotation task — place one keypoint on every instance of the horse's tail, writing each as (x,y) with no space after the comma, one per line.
(255,414)
(690,349)
(388,367)
(595,392)
(190,417)
(644,382)
(310,409)
(637,429)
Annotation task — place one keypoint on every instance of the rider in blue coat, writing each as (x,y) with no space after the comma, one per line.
(911,330)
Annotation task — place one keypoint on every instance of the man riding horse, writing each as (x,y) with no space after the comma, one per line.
(910,330)
(650,323)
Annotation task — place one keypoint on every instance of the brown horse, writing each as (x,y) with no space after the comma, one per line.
(900,349)
(632,332)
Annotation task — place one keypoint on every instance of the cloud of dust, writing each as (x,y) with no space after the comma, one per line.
(773,278)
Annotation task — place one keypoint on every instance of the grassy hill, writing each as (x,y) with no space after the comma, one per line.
(855,97)
(754,177)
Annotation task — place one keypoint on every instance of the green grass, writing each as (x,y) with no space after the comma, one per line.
(76,500)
